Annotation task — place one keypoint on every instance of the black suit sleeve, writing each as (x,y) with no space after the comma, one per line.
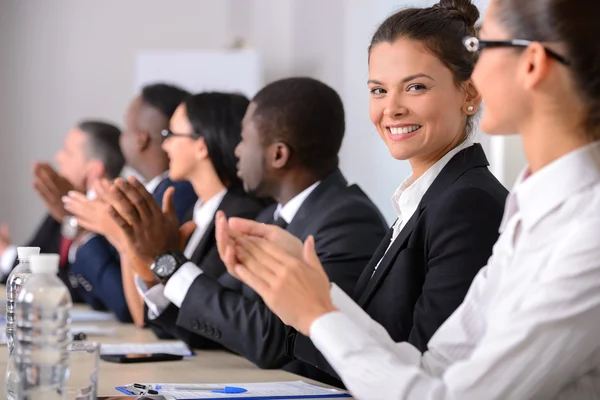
(463,231)
(165,327)
(244,324)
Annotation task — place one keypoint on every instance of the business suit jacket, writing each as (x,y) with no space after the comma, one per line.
(347,228)
(426,273)
(97,266)
(206,256)
(48,238)
(183,199)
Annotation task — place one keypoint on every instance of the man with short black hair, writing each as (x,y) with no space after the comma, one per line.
(146,117)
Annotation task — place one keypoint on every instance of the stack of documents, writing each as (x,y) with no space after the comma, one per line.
(268,390)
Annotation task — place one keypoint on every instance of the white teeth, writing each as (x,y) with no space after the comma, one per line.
(404,130)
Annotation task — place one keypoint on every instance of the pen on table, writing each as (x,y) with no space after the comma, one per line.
(183,387)
(208,387)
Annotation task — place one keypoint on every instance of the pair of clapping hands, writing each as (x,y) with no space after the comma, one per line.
(278,266)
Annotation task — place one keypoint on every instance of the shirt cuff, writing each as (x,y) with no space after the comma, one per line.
(329,333)
(153,297)
(179,284)
(77,245)
(7,260)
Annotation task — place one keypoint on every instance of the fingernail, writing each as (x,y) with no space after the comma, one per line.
(65,199)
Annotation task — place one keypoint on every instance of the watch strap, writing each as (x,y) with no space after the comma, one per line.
(180,259)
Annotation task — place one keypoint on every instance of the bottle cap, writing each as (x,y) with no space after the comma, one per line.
(26,252)
(44,263)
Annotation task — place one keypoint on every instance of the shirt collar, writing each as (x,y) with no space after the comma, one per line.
(407,197)
(153,183)
(202,211)
(288,212)
(534,196)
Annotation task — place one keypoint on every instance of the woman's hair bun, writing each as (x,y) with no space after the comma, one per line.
(463,9)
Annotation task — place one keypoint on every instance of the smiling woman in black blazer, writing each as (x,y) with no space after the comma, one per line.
(449,210)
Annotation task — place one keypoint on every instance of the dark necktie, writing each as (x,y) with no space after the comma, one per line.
(280,222)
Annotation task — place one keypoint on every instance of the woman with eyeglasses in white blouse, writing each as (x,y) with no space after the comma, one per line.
(529,326)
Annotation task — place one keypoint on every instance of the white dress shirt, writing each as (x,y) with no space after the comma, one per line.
(153,183)
(289,210)
(529,327)
(160,296)
(407,197)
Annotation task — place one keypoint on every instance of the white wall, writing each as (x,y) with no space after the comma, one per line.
(63,60)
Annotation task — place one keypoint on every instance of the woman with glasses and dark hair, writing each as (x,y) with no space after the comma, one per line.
(529,325)
(200,142)
(423,105)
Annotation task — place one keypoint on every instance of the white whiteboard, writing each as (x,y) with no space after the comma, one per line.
(197,71)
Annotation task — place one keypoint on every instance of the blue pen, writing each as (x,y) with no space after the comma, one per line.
(212,388)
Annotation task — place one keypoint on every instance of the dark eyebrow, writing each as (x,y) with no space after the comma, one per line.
(406,79)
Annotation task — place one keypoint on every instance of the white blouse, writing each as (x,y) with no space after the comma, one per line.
(529,327)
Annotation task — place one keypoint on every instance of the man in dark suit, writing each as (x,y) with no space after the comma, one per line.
(90,152)
(147,116)
(96,262)
(291,136)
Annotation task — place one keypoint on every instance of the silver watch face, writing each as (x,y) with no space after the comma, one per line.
(69,227)
(165,266)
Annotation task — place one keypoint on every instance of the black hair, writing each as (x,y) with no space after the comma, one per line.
(308,116)
(573,24)
(217,118)
(164,98)
(103,144)
(441,29)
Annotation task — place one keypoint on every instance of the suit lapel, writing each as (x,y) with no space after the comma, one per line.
(365,276)
(160,189)
(471,157)
(387,261)
(304,216)
(227,206)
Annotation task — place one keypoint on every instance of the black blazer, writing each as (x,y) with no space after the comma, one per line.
(428,270)
(347,228)
(206,256)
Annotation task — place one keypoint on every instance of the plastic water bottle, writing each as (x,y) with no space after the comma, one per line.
(15,281)
(41,355)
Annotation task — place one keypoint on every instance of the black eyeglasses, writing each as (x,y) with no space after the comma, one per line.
(167,133)
(474,45)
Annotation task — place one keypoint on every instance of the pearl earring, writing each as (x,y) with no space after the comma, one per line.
(470,108)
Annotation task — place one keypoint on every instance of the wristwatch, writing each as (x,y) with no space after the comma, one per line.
(166,265)
(69,227)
